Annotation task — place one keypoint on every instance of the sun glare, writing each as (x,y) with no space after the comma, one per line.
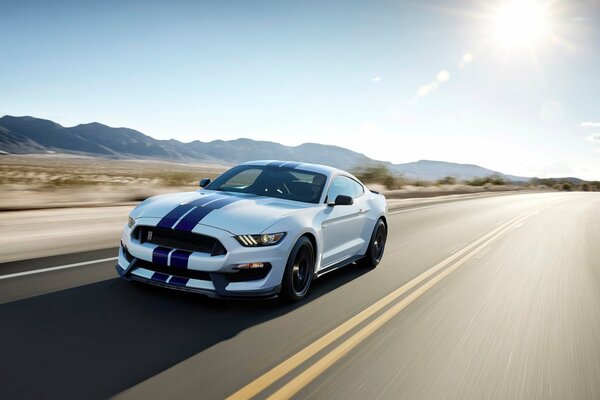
(521,23)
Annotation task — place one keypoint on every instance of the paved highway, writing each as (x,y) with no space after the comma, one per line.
(490,298)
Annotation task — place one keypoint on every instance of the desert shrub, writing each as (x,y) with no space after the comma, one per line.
(379,174)
(421,183)
(566,186)
(481,181)
(137,197)
(497,180)
(476,181)
(178,178)
(447,180)
(68,181)
(585,187)
(557,186)
(543,182)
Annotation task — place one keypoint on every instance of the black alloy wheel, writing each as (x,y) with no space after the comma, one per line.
(299,271)
(376,248)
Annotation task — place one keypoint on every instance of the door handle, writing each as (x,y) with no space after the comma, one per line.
(362,211)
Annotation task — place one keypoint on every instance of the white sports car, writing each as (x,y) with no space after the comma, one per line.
(260,229)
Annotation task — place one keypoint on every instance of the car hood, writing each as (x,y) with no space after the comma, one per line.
(235,213)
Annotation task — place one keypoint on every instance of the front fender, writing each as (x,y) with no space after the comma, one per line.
(296,227)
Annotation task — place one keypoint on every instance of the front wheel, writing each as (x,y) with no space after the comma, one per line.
(374,253)
(299,271)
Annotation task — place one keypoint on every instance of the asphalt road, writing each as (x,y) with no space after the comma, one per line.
(491,298)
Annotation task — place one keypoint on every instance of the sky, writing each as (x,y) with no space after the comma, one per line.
(509,85)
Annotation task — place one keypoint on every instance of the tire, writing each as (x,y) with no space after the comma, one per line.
(299,271)
(376,248)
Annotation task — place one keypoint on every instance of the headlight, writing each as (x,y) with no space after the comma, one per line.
(130,222)
(268,239)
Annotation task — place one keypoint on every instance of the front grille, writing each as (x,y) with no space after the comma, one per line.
(181,272)
(179,240)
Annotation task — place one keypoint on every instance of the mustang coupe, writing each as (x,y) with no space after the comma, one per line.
(261,229)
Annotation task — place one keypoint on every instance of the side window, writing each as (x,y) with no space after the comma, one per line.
(358,189)
(341,185)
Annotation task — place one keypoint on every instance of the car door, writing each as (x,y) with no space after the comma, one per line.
(343,226)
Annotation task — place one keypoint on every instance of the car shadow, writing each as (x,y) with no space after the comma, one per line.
(97,340)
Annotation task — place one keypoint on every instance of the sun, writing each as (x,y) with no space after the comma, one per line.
(521,23)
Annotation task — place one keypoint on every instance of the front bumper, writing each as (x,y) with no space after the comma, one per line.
(204,274)
(217,292)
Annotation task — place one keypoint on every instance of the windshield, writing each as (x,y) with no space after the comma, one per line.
(282,183)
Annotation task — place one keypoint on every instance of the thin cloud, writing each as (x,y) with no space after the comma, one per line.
(376,79)
(594,137)
(590,124)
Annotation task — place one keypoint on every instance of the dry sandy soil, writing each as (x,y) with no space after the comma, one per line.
(54,181)
(50,181)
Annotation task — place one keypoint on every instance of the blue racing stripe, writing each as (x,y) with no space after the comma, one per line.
(179,258)
(275,164)
(203,200)
(169,220)
(177,280)
(172,216)
(290,165)
(160,255)
(157,276)
(189,222)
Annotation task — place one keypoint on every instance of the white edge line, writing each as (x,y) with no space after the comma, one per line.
(423,208)
(39,271)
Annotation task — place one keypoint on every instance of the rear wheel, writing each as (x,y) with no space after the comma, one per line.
(374,253)
(299,271)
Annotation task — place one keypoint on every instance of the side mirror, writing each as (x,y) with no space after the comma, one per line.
(204,182)
(342,200)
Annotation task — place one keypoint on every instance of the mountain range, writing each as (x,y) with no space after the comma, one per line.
(29,135)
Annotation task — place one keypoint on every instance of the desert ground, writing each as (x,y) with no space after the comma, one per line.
(57,181)
(54,181)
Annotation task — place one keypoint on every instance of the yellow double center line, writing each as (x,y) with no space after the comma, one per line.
(309,374)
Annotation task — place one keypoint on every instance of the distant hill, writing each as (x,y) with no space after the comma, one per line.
(432,170)
(29,135)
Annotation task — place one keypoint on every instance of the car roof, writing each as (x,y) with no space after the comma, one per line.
(323,169)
